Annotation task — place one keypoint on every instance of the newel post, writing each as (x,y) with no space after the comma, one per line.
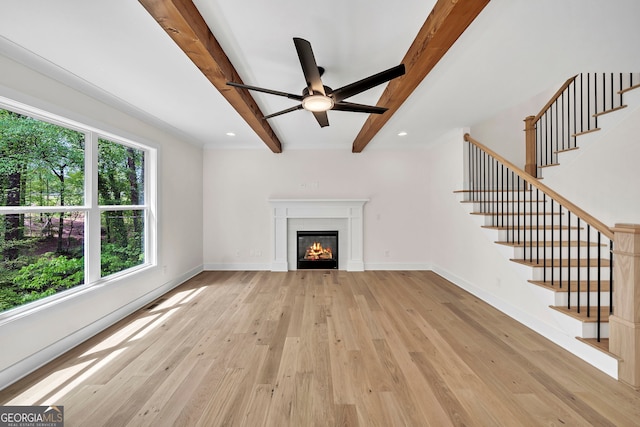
(530,165)
(624,324)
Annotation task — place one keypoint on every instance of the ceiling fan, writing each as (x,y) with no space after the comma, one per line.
(317,97)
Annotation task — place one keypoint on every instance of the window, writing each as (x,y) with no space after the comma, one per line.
(74,205)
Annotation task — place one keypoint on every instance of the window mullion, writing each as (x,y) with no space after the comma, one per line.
(92,219)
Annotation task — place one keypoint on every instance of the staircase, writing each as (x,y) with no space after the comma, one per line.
(556,249)
(575,116)
(563,254)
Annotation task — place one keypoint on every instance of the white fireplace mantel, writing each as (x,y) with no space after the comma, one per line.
(350,209)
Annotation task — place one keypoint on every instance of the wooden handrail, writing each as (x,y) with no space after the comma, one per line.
(601,227)
(554,98)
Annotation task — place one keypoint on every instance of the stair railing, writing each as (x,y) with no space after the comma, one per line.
(572,111)
(531,216)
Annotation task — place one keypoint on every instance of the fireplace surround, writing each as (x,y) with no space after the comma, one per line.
(351,211)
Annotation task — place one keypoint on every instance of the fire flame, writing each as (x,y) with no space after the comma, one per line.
(317,252)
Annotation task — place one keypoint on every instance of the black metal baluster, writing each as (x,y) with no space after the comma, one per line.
(544,237)
(560,246)
(469,170)
(478,179)
(581,103)
(483,184)
(546,137)
(503,193)
(595,100)
(539,143)
(575,109)
(552,246)
(485,178)
(518,190)
(562,116)
(474,170)
(588,102)
(496,190)
(568,132)
(620,94)
(578,257)
(569,256)
(531,221)
(537,226)
(556,127)
(588,272)
(512,217)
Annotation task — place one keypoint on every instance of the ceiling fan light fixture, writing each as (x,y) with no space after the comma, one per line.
(317,103)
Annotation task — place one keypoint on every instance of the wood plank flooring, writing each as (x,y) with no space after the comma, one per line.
(324,348)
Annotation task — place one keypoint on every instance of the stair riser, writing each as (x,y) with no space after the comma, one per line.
(541,252)
(508,195)
(542,235)
(569,273)
(590,330)
(525,220)
(507,206)
(562,297)
(577,328)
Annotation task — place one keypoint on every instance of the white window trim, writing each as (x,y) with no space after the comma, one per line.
(91,208)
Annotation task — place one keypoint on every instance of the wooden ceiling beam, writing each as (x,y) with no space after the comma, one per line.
(446,22)
(183,22)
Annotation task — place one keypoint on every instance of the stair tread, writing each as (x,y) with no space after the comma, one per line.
(548,165)
(564,262)
(516,213)
(582,315)
(555,243)
(574,285)
(495,190)
(602,113)
(506,201)
(629,89)
(564,150)
(585,132)
(528,227)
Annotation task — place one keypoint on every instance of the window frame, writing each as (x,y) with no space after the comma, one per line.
(91,209)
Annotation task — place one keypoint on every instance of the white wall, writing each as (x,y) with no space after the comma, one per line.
(238,185)
(35,338)
(601,177)
(504,132)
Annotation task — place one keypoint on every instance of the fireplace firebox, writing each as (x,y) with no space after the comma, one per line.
(317,250)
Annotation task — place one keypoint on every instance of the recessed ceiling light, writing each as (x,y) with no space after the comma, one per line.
(403,133)
(231,134)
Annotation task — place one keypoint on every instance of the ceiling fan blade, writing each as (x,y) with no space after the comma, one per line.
(367,83)
(358,108)
(288,110)
(322,118)
(309,65)
(269,91)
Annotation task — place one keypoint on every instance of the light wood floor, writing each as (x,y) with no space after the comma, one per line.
(324,348)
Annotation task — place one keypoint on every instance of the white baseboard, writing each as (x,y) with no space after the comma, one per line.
(596,358)
(29,364)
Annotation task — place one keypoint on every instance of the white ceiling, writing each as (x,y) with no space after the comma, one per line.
(113,50)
